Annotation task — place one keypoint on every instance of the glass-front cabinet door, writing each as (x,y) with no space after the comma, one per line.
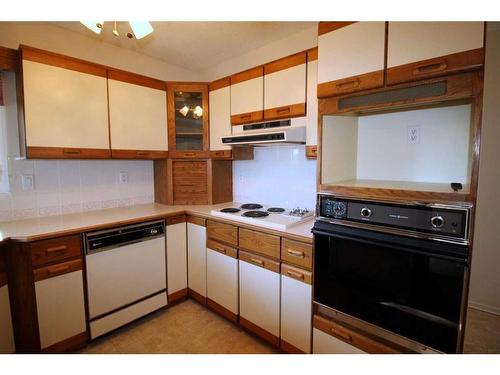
(188,119)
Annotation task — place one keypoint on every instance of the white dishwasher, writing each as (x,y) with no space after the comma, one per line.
(126,274)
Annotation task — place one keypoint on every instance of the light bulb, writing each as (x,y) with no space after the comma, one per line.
(197,111)
(184,110)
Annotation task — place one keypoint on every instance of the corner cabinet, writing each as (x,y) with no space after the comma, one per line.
(65,106)
(137,116)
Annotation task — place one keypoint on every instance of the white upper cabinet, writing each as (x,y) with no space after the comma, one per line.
(64,108)
(247,96)
(312,98)
(351,57)
(220,113)
(285,87)
(138,115)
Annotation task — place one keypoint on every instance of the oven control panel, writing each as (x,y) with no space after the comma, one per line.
(437,219)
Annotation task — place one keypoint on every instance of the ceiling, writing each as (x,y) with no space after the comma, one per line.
(195,45)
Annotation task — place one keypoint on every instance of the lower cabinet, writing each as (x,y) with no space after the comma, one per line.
(296,305)
(60,304)
(6,336)
(177,282)
(324,343)
(222,279)
(260,296)
(197,258)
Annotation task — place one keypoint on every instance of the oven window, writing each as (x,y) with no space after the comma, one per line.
(414,295)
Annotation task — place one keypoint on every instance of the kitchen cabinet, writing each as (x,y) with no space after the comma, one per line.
(285,87)
(437,48)
(197,258)
(176,258)
(65,104)
(188,116)
(351,57)
(296,306)
(324,343)
(261,243)
(220,115)
(296,253)
(222,279)
(137,116)
(7,336)
(247,96)
(259,285)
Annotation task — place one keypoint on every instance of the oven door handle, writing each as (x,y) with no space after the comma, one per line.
(421,314)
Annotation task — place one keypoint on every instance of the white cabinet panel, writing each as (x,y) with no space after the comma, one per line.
(6,335)
(312,103)
(64,108)
(220,117)
(431,39)
(197,258)
(138,117)
(222,280)
(176,257)
(247,96)
(326,344)
(351,50)
(296,298)
(60,306)
(260,297)
(285,87)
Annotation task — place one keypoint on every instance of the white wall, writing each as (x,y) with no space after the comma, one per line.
(67,42)
(485,278)
(278,175)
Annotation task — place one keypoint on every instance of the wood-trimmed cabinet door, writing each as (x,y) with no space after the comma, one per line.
(220,114)
(176,259)
(65,109)
(285,87)
(437,48)
(351,57)
(247,96)
(7,336)
(138,118)
(197,259)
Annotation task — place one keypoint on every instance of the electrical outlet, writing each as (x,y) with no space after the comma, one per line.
(123,178)
(27,182)
(413,135)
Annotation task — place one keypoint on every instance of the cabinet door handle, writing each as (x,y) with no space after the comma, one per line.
(348,84)
(71,152)
(220,249)
(430,68)
(257,261)
(283,110)
(341,334)
(295,274)
(294,253)
(55,270)
(56,249)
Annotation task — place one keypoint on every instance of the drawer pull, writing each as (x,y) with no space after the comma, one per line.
(297,275)
(340,334)
(257,261)
(142,153)
(220,249)
(348,84)
(294,253)
(56,249)
(55,270)
(71,152)
(283,110)
(188,154)
(430,68)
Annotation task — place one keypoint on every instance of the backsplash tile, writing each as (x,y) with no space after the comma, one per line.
(70,186)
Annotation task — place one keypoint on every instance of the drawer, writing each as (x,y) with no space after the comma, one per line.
(262,243)
(225,233)
(297,273)
(223,249)
(175,219)
(57,269)
(260,261)
(55,250)
(297,253)
(139,154)
(221,154)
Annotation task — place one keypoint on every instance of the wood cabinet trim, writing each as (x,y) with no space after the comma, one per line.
(177,297)
(61,61)
(347,85)
(287,111)
(436,67)
(325,27)
(197,297)
(262,333)
(55,250)
(222,248)
(259,261)
(247,118)
(38,152)
(247,75)
(189,154)
(70,345)
(196,220)
(222,232)
(285,62)
(297,253)
(136,79)
(312,152)
(9,59)
(312,54)
(175,220)
(221,154)
(222,311)
(244,152)
(296,273)
(55,270)
(219,84)
(139,154)
(289,348)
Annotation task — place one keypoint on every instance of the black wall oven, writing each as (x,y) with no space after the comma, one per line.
(389,268)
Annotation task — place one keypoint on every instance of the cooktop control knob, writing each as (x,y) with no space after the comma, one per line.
(437,221)
(366,212)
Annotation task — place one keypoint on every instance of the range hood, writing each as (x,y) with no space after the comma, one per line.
(294,134)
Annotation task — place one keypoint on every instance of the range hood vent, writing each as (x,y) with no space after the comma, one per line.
(294,134)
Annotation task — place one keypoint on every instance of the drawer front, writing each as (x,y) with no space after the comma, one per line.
(57,270)
(297,273)
(247,117)
(223,249)
(226,233)
(221,154)
(139,154)
(297,253)
(361,82)
(287,111)
(175,220)
(260,261)
(266,244)
(55,250)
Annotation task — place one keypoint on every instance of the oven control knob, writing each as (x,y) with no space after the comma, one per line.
(366,212)
(437,221)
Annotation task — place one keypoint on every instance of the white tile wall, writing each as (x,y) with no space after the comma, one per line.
(67,186)
(278,175)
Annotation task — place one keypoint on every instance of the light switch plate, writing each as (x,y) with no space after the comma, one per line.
(123,178)
(27,182)
(413,135)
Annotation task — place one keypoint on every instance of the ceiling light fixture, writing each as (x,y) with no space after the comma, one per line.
(140,29)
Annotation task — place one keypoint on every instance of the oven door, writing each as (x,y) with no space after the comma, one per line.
(408,286)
